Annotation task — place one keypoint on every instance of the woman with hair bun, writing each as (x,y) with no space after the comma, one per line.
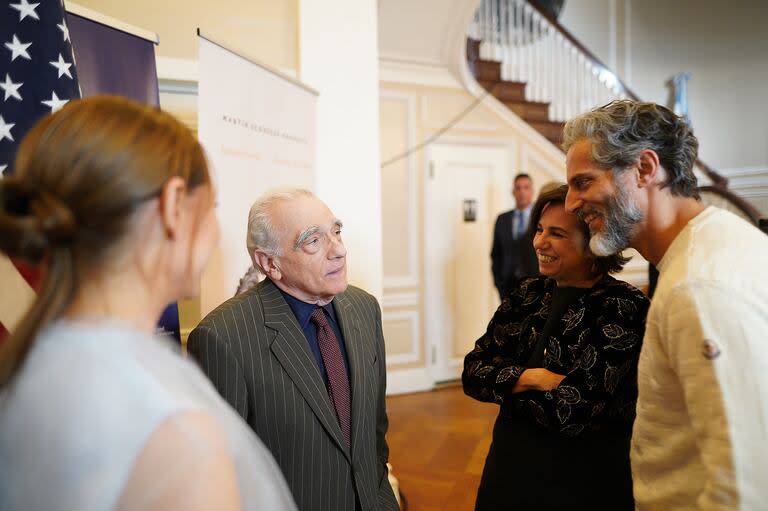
(115,200)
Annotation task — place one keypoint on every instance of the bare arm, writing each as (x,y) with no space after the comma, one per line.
(184,465)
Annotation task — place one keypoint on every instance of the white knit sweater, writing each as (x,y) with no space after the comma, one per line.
(700,439)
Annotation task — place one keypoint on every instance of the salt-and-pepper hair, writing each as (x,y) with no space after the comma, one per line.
(620,130)
(262,234)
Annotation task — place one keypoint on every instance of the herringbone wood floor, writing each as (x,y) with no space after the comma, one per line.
(438,441)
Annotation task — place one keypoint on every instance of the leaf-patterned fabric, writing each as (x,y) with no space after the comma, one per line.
(597,348)
(568,448)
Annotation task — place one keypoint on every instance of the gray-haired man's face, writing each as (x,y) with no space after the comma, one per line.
(312,266)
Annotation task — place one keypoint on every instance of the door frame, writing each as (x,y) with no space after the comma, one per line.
(502,201)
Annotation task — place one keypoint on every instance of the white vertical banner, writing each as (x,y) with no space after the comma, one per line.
(258,129)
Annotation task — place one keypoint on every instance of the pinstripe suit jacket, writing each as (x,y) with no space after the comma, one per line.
(257,356)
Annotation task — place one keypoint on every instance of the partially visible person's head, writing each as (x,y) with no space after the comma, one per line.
(604,145)
(98,186)
(249,280)
(522,191)
(295,240)
(561,241)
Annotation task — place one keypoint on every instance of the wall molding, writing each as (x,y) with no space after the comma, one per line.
(462,124)
(397,70)
(405,381)
(413,317)
(748,182)
(527,155)
(411,277)
(758,172)
(395,299)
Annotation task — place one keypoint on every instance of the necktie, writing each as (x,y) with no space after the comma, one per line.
(520,225)
(338,382)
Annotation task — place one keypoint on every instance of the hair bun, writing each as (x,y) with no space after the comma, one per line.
(31,222)
(57,222)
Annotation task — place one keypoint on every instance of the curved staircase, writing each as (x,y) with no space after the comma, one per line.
(541,72)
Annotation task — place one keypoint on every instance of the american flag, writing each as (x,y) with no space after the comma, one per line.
(37,77)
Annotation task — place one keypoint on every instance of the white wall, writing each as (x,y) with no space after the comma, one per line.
(591,21)
(339,58)
(264,29)
(724,47)
(722,44)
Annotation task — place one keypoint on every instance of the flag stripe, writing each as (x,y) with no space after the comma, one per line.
(37,77)
(17,294)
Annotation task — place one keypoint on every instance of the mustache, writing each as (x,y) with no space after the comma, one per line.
(581,214)
(620,217)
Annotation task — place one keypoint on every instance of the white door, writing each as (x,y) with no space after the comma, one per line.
(466,188)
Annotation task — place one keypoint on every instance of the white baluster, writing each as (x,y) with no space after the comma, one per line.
(575,92)
(546,74)
(514,20)
(536,35)
(504,27)
(529,52)
(473,31)
(485,8)
(557,96)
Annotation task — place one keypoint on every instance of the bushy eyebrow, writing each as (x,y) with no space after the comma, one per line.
(305,234)
(310,231)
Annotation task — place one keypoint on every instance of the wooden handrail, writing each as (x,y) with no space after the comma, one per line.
(751,211)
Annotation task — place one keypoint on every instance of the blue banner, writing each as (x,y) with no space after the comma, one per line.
(110,61)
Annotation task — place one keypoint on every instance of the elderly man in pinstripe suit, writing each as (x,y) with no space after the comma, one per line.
(301,358)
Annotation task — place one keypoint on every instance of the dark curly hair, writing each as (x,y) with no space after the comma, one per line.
(602,265)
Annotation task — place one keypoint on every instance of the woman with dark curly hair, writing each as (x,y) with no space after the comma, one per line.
(560,358)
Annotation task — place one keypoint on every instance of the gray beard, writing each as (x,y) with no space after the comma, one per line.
(621,216)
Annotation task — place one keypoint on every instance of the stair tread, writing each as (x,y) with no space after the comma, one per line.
(525,102)
(548,123)
(512,94)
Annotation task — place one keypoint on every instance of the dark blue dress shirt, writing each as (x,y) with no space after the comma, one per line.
(302,311)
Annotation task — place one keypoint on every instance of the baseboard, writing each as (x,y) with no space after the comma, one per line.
(404,381)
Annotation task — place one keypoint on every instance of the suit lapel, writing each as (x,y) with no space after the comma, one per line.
(290,348)
(353,342)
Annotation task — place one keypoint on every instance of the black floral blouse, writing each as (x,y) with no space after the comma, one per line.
(597,349)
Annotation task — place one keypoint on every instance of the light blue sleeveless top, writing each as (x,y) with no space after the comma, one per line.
(84,404)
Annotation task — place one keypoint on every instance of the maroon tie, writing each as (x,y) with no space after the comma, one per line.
(338,382)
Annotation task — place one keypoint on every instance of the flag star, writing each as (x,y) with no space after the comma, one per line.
(2,170)
(5,129)
(64,30)
(11,89)
(18,49)
(55,103)
(26,9)
(62,66)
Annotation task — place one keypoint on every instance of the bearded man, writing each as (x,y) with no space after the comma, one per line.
(699,439)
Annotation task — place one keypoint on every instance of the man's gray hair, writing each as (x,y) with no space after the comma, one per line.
(621,129)
(262,234)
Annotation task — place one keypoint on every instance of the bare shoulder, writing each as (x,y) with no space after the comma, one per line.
(184,464)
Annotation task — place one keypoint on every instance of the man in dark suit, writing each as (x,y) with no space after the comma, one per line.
(512,254)
(301,358)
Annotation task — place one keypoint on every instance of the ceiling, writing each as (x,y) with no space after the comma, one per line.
(423,31)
